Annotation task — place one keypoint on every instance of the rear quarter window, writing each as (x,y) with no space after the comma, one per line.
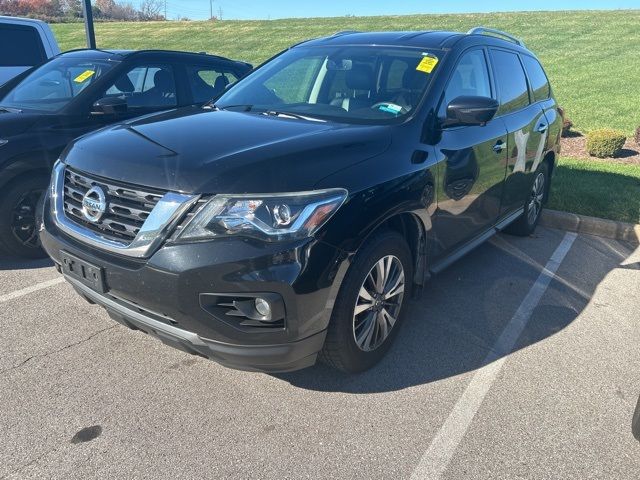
(20,46)
(207,81)
(537,78)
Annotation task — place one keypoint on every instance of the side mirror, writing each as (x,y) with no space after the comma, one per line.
(110,106)
(470,110)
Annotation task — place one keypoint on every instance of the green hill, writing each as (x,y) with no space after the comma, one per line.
(591,56)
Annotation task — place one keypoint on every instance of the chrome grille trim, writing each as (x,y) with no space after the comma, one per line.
(138,233)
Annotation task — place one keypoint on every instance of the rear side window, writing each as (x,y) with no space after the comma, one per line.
(513,92)
(25,49)
(207,82)
(146,86)
(537,78)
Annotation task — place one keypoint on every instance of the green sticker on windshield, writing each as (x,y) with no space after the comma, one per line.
(83,76)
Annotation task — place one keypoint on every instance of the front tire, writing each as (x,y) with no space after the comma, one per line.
(370,305)
(533,205)
(19,206)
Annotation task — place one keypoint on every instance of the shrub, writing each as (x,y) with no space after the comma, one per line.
(605,142)
(567,124)
(637,136)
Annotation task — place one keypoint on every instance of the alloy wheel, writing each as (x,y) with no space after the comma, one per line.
(23,219)
(536,199)
(378,305)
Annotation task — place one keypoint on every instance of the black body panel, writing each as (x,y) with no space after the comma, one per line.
(445,189)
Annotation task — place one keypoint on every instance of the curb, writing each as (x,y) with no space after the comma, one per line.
(600,227)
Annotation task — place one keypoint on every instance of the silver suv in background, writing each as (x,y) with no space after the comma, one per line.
(25,43)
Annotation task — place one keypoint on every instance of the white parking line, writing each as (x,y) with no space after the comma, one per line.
(27,290)
(438,456)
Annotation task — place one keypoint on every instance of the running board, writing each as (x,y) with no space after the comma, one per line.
(476,242)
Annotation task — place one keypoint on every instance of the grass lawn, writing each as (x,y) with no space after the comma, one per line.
(603,189)
(591,57)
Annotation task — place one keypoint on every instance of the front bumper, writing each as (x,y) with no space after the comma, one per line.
(265,358)
(162,295)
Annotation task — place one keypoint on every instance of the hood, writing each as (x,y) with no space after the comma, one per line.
(198,151)
(12,124)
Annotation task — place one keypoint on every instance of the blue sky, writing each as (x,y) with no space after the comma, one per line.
(271,9)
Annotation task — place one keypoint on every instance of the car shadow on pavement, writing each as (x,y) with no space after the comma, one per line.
(463,311)
(9,263)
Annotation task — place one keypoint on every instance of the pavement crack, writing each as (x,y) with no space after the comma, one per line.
(61,349)
(28,464)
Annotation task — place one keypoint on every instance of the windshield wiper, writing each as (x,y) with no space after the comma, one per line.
(10,110)
(243,108)
(275,113)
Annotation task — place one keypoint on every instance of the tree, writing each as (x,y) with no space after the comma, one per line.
(151,10)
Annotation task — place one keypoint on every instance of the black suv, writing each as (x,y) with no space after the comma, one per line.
(293,218)
(45,108)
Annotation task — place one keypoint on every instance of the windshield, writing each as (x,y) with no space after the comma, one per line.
(360,84)
(52,86)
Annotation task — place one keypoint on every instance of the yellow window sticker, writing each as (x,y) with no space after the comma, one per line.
(83,76)
(427,64)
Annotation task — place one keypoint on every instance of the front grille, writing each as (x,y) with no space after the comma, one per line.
(127,206)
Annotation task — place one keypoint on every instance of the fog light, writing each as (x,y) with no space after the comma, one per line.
(263,307)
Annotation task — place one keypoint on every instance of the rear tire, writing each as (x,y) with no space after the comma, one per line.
(369,308)
(526,224)
(19,205)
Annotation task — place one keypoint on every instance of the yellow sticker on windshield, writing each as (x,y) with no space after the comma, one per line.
(83,76)
(427,64)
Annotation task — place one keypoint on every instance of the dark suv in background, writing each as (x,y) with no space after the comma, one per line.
(294,217)
(76,92)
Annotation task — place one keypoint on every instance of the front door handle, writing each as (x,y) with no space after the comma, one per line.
(499,146)
(543,128)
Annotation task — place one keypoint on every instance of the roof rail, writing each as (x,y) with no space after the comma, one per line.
(497,33)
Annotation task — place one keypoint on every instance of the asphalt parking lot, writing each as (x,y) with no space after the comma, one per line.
(500,371)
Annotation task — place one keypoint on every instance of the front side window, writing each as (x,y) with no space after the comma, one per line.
(207,82)
(469,78)
(537,77)
(513,91)
(52,86)
(146,86)
(21,46)
(360,84)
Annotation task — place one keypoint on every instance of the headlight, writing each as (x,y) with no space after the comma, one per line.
(3,142)
(276,217)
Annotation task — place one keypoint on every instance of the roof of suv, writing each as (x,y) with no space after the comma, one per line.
(122,54)
(423,39)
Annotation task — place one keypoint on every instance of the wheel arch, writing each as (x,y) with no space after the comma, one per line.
(409,225)
(13,171)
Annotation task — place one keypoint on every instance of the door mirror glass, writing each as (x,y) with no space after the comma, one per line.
(110,106)
(470,110)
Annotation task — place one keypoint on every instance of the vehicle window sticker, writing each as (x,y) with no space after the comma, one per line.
(428,63)
(84,76)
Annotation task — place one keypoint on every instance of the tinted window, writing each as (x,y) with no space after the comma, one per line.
(54,84)
(513,92)
(146,86)
(26,48)
(207,82)
(537,78)
(470,77)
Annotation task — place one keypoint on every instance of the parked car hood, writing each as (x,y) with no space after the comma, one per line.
(198,151)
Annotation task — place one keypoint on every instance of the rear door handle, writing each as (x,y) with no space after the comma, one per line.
(499,146)
(543,128)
